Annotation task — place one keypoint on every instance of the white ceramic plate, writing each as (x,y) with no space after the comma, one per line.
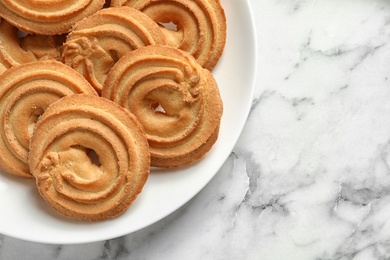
(24,214)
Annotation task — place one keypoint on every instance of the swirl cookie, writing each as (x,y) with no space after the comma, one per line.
(97,42)
(15,50)
(69,178)
(195,26)
(176,100)
(47,17)
(25,92)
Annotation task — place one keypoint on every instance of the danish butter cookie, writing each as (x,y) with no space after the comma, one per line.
(47,17)
(97,42)
(25,93)
(176,100)
(72,181)
(15,50)
(195,26)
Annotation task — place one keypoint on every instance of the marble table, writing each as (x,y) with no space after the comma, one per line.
(310,175)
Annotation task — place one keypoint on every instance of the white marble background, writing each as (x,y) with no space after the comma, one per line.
(310,176)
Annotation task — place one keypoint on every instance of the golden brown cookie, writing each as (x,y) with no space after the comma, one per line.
(176,100)
(72,181)
(196,26)
(25,92)
(47,17)
(97,42)
(15,50)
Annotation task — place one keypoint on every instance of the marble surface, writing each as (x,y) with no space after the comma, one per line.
(310,175)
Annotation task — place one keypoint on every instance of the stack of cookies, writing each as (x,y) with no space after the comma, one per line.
(94,93)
